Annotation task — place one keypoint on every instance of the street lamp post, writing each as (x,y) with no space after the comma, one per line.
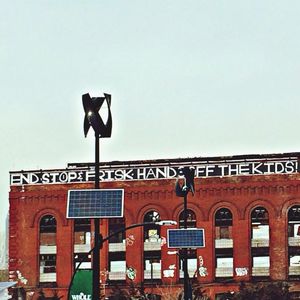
(93,119)
(183,191)
(102,240)
(185,261)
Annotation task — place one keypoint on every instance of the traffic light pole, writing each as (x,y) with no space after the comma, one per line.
(96,254)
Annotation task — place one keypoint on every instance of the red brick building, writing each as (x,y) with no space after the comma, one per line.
(249,207)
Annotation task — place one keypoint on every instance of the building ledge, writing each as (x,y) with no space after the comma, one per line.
(224,243)
(45,249)
(224,272)
(255,243)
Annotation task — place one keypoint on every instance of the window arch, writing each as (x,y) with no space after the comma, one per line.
(260,233)
(47,257)
(114,225)
(294,221)
(47,229)
(117,258)
(48,224)
(152,246)
(259,223)
(223,244)
(223,223)
(293,240)
(260,214)
(151,231)
(223,216)
(191,219)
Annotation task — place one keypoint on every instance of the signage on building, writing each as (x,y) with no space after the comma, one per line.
(82,287)
(221,169)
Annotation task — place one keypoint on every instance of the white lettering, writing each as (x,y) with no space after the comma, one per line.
(81,296)
(172,172)
(34,178)
(200,170)
(15,179)
(119,175)
(209,169)
(290,167)
(161,172)
(72,176)
(54,177)
(109,174)
(269,164)
(63,177)
(25,178)
(80,176)
(222,167)
(233,170)
(102,175)
(244,169)
(89,175)
(150,174)
(128,174)
(141,173)
(279,167)
(256,167)
(45,178)
(124,174)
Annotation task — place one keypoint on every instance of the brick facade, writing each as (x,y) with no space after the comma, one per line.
(277,193)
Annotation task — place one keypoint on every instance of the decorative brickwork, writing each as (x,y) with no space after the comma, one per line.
(275,192)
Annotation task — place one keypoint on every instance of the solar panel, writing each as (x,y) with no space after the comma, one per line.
(104,203)
(186,238)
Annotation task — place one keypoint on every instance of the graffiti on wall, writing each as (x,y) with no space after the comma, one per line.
(241,272)
(170,272)
(202,269)
(130,240)
(131,273)
(282,166)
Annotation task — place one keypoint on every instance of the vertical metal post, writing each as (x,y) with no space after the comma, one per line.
(185,266)
(151,263)
(96,254)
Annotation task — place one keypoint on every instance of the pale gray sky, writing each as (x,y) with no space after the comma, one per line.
(187,78)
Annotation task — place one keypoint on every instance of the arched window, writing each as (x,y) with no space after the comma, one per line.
(294,221)
(115,225)
(260,223)
(223,224)
(223,243)
(260,233)
(152,247)
(48,224)
(151,231)
(47,257)
(191,219)
(116,255)
(294,240)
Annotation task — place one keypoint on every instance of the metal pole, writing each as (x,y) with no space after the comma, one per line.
(151,262)
(96,254)
(185,266)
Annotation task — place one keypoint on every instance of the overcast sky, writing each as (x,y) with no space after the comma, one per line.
(187,78)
